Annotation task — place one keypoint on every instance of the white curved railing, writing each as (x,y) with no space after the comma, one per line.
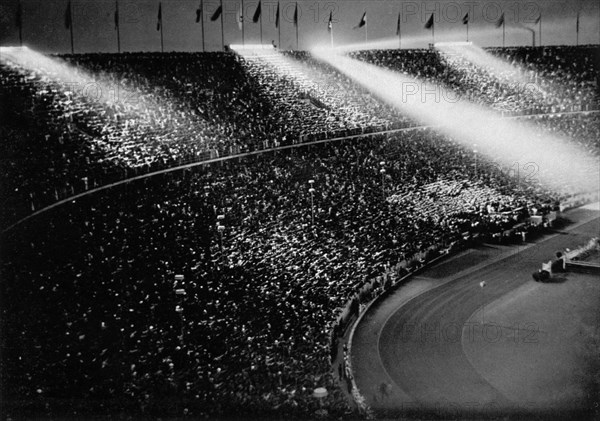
(213,160)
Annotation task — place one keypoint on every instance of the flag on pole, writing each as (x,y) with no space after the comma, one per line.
(296,15)
(116,15)
(500,21)
(19,16)
(257,14)
(330,22)
(398,25)
(277,16)
(465,19)
(577,28)
(539,21)
(199,13)
(362,22)
(217,13)
(429,23)
(68,17)
(240,17)
(159,18)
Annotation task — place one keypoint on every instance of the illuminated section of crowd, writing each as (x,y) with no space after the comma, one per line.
(60,140)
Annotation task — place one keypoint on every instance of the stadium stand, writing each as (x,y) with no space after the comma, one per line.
(93,313)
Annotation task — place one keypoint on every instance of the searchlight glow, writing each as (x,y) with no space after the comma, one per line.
(79,84)
(561,165)
(453,44)
(12,49)
(241,47)
(337,103)
(480,58)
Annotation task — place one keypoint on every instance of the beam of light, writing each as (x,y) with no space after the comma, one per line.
(251,47)
(505,78)
(155,119)
(407,41)
(502,78)
(53,69)
(479,57)
(492,36)
(560,165)
(453,44)
(341,107)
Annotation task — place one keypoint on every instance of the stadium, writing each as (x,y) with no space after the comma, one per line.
(238,209)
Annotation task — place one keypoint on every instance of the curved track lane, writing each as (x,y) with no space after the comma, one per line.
(420,344)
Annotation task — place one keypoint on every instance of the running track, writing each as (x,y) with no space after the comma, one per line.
(413,342)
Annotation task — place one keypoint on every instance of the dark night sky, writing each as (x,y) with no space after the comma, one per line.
(94,29)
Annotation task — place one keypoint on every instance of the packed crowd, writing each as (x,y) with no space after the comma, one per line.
(338,104)
(582,130)
(524,80)
(94,309)
(215,290)
(130,114)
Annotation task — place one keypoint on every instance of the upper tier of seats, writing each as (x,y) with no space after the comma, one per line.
(134,113)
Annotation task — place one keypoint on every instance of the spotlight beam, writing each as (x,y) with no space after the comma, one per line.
(561,165)
(79,84)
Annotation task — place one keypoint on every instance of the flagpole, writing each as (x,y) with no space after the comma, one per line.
(278,26)
(202,22)
(260,18)
(399,41)
(162,47)
(467,31)
(118,29)
(399,33)
(222,28)
(433,31)
(71,27)
(540,30)
(577,30)
(243,31)
(503,32)
(20,22)
(297,25)
(331,35)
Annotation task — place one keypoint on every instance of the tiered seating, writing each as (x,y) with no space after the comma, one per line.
(218,104)
(93,319)
(97,313)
